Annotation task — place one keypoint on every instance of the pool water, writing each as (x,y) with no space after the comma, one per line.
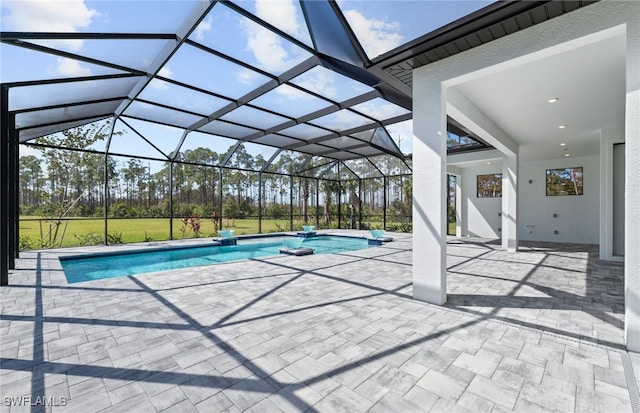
(95,267)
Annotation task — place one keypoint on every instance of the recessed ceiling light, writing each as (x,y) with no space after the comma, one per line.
(567,154)
(553,100)
(488,163)
(563,144)
(562,126)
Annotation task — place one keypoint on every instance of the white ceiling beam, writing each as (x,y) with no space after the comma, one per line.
(460,108)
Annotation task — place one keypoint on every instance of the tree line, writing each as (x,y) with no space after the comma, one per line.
(68,180)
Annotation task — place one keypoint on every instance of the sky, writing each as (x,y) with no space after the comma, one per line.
(380,26)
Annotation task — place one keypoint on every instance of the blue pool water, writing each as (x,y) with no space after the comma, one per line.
(95,267)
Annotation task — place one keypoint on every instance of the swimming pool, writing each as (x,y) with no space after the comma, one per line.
(109,265)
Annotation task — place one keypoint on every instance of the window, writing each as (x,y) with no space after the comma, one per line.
(564,181)
(489,186)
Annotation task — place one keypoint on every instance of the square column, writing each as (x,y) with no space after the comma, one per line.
(459,206)
(429,193)
(510,203)
(632,189)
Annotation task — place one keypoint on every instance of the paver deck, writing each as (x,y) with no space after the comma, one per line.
(537,330)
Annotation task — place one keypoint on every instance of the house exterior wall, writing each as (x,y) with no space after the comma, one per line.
(577,217)
(632,182)
(430,85)
(482,217)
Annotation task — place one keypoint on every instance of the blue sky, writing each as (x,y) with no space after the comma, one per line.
(379,25)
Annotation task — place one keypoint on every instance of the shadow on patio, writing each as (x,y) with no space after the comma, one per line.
(564,289)
(298,334)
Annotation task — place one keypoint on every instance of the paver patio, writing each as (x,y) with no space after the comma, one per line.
(538,330)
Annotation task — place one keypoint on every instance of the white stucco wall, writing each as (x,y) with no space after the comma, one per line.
(481,215)
(632,182)
(578,216)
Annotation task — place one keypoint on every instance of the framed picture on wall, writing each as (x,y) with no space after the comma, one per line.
(564,181)
(489,186)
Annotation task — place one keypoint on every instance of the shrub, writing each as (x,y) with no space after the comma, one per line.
(121,210)
(392,227)
(26,243)
(182,210)
(406,226)
(115,238)
(89,239)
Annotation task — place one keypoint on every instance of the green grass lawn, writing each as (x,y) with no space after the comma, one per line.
(88,231)
(138,230)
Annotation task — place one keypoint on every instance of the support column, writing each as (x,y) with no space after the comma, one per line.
(171,200)
(510,203)
(459,205)
(260,203)
(632,188)
(14,204)
(317,203)
(608,140)
(339,204)
(105,187)
(5,130)
(359,203)
(105,198)
(220,195)
(457,173)
(290,202)
(385,184)
(429,193)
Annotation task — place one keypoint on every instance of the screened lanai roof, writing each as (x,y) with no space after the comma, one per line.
(273,77)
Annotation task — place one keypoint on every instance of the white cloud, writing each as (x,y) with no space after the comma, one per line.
(30,151)
(165,72)
(380,109)
(282,14)
(345,119)
(291,93)
(48,16)
(320,82)
(245,76)
(203,28)
(402,134)
(269,49)
(70,68)
(376,36)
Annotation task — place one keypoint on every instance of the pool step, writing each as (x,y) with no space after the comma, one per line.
(296,251)
(225,242)
(379,241)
